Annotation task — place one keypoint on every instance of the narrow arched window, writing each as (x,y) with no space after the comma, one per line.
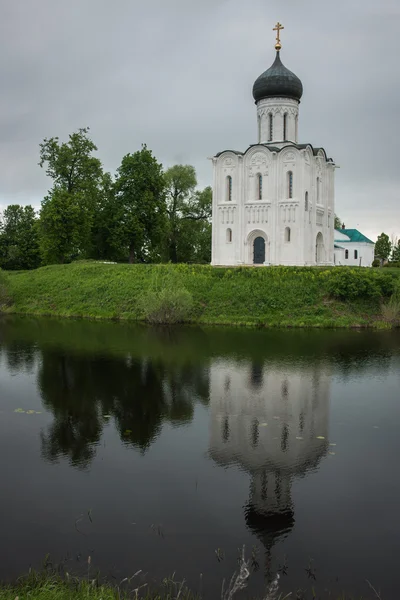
(356,254)
(229,235)
(271,127)
(290,184)
(318,188)
(259,129)
(285,127)
(306,202)
(287,234)
(259,186)
(229,188)
(346,254)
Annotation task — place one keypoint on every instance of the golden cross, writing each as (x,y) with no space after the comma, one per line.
(278,27)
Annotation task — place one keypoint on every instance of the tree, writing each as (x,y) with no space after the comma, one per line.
(19,240)
(396,252)
(139,210)
(102,242)
(68,210)
(338,222)
(189,214)
(195,229)
(65,227)
(383,247)
(180,182)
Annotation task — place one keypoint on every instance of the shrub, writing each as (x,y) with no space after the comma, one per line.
(395,264)
(352,284)
(5,297)
(376,262)
(167,306)
(391,310)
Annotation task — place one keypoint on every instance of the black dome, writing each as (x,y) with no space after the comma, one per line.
(278,81)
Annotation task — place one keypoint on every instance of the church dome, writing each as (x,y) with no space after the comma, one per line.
(278,81)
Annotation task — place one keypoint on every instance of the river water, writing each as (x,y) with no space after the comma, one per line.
(168,450)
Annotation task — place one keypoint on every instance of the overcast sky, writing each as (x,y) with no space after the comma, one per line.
(178,75)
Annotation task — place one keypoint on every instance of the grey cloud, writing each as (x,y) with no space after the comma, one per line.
(178,75)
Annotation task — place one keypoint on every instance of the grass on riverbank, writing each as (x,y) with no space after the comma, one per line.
(275,296)
(47,586)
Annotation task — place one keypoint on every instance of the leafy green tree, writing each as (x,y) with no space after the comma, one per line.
(189,213)
(396,252)
(383,247)
(139,208)
(338,222)
(180,182)
(102,240)
(65,227)
(19,243)
(68,210)
(195,229)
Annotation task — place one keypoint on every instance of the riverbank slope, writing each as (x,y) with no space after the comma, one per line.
(275,296)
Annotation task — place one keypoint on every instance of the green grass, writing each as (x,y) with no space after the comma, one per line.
(48,586)
(275,296)
(53,587)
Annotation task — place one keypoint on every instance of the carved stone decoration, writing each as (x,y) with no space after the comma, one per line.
(289,157)
(259,160)
(256,214)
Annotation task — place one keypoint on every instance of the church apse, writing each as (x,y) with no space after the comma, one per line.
(269,419)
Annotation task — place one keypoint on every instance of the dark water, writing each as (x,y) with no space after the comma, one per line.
(157,450)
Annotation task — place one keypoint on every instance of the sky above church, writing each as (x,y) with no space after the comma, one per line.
(178,76)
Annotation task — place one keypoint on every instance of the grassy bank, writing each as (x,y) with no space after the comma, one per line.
(276,296)
(50,585)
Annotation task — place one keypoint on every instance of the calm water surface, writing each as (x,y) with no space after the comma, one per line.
(159,450)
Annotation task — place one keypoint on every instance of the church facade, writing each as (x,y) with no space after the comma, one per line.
(274,203)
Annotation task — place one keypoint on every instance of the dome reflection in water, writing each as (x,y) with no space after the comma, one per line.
(271,421)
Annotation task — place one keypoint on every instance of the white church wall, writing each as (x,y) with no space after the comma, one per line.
(355,254)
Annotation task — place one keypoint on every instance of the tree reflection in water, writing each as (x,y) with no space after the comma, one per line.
(83,393)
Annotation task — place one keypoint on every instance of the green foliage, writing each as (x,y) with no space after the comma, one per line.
(50,585)
(383,247)
(273,296)
(392,265)
(338,223)
(396,252)
(71,165)
(5,297)
(65,225)
(67,213)
(351,284)
(376,262)
(180,182)
(19,239)
(189,213)
(194,240)
(139,216)
(391,310)
(166,301)
(167,306)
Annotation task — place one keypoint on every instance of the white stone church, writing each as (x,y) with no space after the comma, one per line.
(274,204)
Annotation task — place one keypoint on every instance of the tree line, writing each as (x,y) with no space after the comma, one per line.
(141,214)
(387,249)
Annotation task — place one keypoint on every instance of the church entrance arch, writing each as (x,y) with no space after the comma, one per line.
(257,243)
(319,249)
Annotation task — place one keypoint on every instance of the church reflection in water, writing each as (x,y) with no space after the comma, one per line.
(269,420)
